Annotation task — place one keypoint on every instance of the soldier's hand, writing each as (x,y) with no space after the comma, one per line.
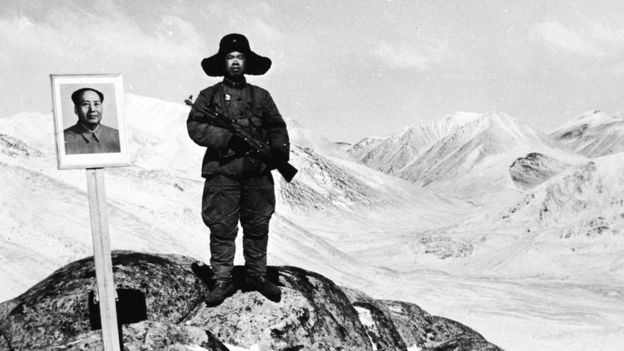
(275,158)
(239,145)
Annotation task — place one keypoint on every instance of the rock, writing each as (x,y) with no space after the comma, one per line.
(400,325)
(313,314)
(444,247)
(378,322)
(55,311)
(428,332)
(16,148)
(534,169)
(152,335)
(149,335)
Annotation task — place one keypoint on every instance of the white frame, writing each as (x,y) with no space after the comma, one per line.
(61,116)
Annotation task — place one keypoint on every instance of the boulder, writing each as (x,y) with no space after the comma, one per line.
(534,169)
(313,314)
(397,325)
(433,333)
(56,311)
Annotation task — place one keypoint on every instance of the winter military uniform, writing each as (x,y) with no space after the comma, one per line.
(238,186)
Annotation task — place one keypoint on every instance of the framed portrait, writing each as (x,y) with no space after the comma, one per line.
(89,121)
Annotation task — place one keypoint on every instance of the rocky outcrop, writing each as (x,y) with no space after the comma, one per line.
(534,169)
(396,325)
(16,148)
(313,314)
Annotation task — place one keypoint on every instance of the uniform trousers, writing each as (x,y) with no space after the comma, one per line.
(228,200)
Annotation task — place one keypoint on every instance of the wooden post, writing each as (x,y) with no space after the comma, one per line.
(102,256)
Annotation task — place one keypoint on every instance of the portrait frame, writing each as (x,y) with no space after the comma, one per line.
(70,156)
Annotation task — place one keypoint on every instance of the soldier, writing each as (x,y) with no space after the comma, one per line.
(238,186)
(89,135)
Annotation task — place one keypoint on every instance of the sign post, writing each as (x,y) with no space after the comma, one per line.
(90,133)
(102,256)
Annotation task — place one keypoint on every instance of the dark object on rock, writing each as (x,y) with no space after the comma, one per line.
(130,306)
(222,290)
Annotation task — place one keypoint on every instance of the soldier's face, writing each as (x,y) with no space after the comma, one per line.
(235,63)
(89,108)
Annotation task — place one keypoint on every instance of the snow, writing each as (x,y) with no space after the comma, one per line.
(593,134)
(367,320)
(456,236)
(365,316)
(196,348)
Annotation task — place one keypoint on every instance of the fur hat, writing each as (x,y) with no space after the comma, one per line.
(255,64)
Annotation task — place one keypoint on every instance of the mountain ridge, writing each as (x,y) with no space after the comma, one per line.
(461,150)
(592,134)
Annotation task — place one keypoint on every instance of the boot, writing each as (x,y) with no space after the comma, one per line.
(221,290)
(264,287)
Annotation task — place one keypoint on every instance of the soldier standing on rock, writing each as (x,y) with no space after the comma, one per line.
(238,186)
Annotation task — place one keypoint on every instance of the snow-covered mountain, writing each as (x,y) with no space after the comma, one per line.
(457,211)
(570,225)
(460,153)
(393,153)
(593,134)
(584,204)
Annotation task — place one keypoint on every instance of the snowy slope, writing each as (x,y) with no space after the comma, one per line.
(569,227)
(363,147)
(593,134)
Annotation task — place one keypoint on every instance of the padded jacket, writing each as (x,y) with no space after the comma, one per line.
(254,110)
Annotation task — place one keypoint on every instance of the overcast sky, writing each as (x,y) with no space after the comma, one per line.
(346,69)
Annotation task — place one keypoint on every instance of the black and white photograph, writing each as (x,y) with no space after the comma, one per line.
(279,175)
(89,121)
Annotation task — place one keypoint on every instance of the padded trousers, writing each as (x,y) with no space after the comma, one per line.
(225,202)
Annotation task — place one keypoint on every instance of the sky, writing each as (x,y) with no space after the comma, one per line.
(345,69)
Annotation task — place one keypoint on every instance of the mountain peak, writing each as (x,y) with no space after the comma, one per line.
(452,146)
(593,133)
(589,118)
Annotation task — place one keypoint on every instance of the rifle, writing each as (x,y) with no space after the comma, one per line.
(257,146)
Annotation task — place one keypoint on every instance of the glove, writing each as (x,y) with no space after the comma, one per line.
(238,145)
